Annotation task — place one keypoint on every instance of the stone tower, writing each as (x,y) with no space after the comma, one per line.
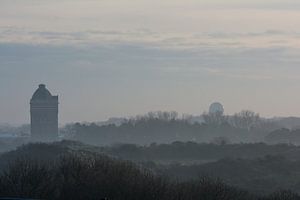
(44,115)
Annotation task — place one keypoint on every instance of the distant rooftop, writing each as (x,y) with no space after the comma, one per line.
(42,93)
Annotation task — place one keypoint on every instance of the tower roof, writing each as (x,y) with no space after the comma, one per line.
(41,93)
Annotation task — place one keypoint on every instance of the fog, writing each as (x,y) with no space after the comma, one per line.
(152,100)
(170,55)
(96,83)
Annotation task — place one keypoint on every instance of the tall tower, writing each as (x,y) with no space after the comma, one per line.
(44,115)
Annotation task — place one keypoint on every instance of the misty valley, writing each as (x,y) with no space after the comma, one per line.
(156,156)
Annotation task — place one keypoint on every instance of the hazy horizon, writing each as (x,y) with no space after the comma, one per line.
(123,58)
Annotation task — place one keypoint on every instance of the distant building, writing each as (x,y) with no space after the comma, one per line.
(44,115)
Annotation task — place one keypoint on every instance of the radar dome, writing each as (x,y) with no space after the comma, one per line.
(216,108)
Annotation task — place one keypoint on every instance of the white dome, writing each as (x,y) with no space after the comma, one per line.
(216,108)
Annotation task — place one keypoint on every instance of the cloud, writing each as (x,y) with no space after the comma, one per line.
(142,56)
(101,76)
(265,39)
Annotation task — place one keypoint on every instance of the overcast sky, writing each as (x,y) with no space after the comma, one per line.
(110,58)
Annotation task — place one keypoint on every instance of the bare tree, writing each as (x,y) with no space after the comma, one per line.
(214,118)
(246,119)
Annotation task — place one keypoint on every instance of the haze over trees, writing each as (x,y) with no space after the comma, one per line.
(116,58)
(71,170)
(172,156)
(166,127)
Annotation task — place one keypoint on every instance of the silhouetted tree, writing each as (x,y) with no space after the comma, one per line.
(246,119)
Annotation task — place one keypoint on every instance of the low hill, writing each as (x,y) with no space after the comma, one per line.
(60,172)
(258,168)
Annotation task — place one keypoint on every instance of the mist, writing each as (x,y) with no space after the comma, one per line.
(160,100)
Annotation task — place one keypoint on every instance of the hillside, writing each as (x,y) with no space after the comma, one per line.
(258,168)
(70,170)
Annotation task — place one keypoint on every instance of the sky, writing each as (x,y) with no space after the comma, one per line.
(121,58)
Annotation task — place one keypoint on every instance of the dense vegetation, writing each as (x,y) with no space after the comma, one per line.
(72,170)
(98,177)
(166,127)
(63,173)
(259,167)
(284,136)
(261,175)
(203,152)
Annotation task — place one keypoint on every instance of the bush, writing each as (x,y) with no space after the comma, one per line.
(93,176)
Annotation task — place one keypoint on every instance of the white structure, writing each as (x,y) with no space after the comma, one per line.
(216,108)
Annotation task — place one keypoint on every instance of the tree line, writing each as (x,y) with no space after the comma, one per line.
(167,127)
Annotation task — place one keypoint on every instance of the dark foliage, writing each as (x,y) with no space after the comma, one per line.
(259,176)
(284,136)
(72,170)
(98,177)
(200,152)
